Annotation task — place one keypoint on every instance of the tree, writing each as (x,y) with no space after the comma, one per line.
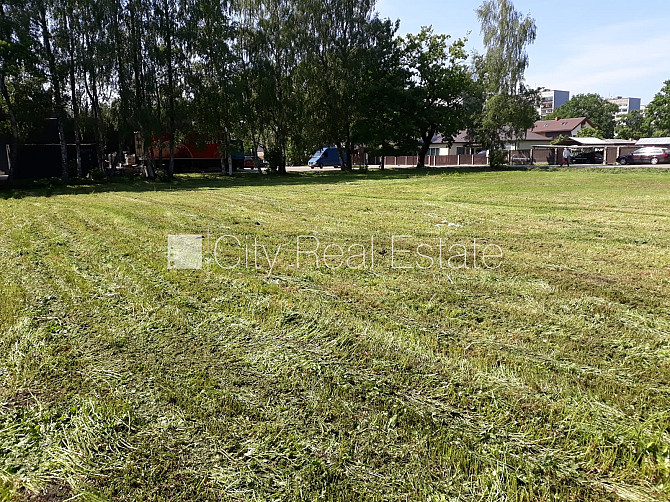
(439,87)
(600,112)
(96,66)
(509,106)
(589,132)
(384,105)
(214,77)
(273,49)
(44,19)
(17,62)
(633,125)
(344,42)
(67,37)
(658,112)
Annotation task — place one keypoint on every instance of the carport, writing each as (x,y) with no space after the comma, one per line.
(611,148)
(660,142)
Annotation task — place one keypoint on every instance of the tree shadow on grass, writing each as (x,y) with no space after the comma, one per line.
(213,181)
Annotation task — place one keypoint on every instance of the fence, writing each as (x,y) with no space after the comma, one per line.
(433,160)
(548,155)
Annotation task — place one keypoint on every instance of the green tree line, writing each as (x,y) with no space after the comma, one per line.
(292,75)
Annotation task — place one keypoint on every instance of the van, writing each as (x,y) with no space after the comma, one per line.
(326,157)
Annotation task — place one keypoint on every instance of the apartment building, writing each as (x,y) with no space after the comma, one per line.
(626,105)
(550,100)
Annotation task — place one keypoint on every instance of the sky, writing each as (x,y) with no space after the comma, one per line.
(612,48)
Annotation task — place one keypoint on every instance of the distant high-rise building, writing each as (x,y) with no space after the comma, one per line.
(626,105)
(550,100)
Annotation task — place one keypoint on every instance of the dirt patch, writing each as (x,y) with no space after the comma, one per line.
(53,493)
(20,399)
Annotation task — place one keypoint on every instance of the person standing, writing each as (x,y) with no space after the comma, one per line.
(566,156)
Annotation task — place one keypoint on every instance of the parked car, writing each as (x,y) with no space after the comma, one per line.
(645,155)
(587,158)
(326,157)
(254,162)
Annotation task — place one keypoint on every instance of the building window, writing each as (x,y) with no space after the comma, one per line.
(460,150)
(433,152)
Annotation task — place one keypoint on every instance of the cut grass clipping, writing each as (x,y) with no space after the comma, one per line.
(543,377)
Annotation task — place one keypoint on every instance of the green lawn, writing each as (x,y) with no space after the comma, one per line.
(547,378)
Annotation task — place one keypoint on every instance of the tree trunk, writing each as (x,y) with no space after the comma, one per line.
(136,48)
(14,157)
(350,151)
(171,91)
(75,105)
(341,152)
(160,153)
(123,84)
(425,146)
(281,144)
(151,166)
(97,114)
(95,104)
(55,87)
(281,168)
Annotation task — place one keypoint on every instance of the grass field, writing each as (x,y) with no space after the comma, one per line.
(547,378)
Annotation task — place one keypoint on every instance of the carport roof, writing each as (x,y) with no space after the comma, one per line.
(575,141)
(653,142)
(462,137)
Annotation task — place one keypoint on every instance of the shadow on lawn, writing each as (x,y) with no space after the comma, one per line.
(211,181)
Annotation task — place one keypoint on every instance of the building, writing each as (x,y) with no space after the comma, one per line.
(561,127)
(626,105)
(463,146)
(550,100)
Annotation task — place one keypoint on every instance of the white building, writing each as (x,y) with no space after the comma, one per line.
(550,100)
(626,105)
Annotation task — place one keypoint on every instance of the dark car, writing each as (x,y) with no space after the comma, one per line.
(587,158)
(648,154)
(254,162)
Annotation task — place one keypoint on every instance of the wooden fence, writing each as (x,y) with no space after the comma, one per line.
(432,160)
(551,156)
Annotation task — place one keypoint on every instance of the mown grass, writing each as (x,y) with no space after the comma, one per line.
(545,379)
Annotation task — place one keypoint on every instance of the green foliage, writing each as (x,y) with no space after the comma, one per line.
(440,87)
(509,106)
(633,125)
(558,139)
(498,158)
(351,61)
(590,132)
(97,175)
(274,157)
(658,112)
(600,112)
(382,118)
(506,34)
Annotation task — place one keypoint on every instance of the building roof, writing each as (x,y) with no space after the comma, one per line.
(653,142)
(593,142)
(462,137)
(560,125)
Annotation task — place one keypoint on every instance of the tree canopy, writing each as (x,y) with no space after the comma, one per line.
(509,105)
(658,112)
(633,125)
(291,75)
(601,113)
(440,87)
